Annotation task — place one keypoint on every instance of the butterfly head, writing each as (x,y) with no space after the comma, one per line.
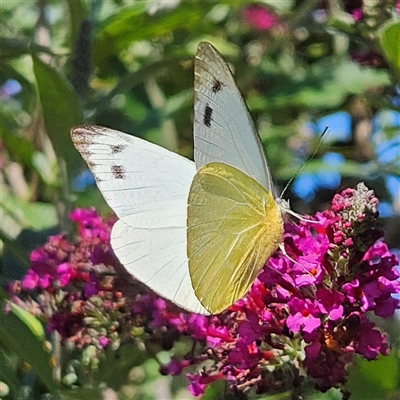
(283,205)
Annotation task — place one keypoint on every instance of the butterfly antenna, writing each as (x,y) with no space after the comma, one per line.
(305,163)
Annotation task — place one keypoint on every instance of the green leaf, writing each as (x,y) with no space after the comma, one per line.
(82,393)
(16,250)
(29,320)
(389,37)
(78,12)
(18,338)
(324,86)
(13,48)
(61,111)
(36,216)
(136,23)
(134,79)
(18,147)
(371,380)
(215,390)
(342,21)
(177,102)
(7,373)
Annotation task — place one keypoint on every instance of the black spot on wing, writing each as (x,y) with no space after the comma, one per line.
(207,116)
(115,149)
(217,86)
(118,171)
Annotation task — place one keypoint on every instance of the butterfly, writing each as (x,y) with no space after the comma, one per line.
(197,233)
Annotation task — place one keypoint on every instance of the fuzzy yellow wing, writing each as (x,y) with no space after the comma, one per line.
(234,225)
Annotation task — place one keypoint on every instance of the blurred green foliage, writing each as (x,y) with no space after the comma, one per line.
(128,65)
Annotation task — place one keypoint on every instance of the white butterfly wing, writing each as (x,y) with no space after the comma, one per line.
(223,128)
(147,186)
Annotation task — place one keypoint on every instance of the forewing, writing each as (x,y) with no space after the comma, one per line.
(223,128)
(147,186)
(234,225)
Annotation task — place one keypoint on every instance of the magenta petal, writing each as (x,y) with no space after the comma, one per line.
(311,323)
(30,280)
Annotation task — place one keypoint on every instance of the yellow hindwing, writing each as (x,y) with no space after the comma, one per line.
(233,227)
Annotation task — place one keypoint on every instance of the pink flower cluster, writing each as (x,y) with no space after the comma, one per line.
(68,283)
(305,312)
(59,261)
(260,17)
(80,290)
